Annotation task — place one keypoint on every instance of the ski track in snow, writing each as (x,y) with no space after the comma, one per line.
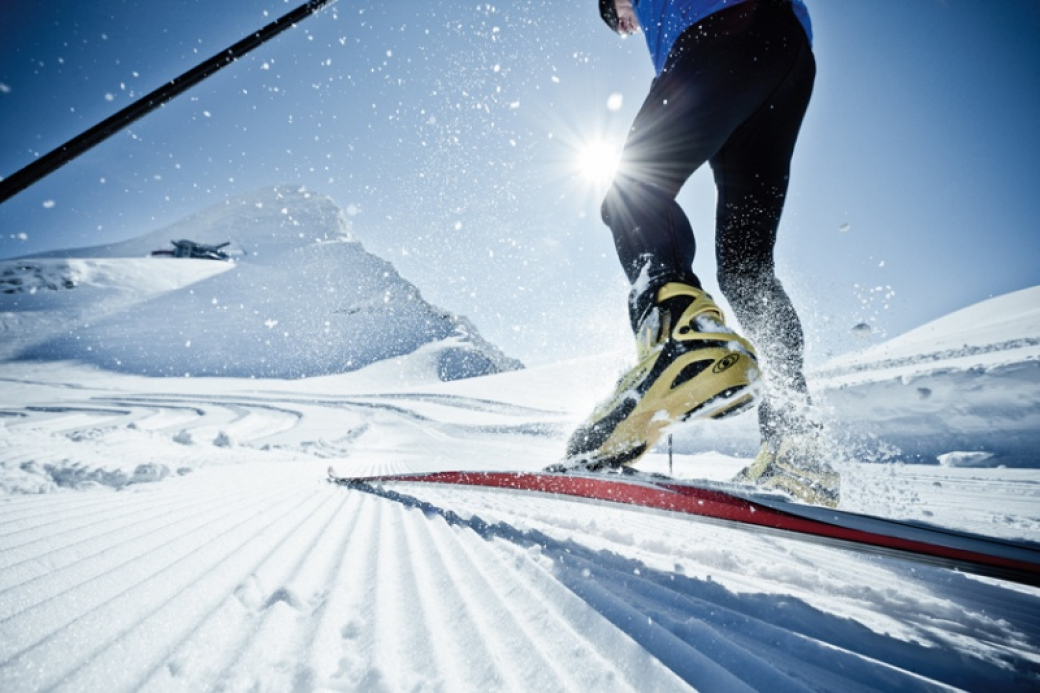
(187,540)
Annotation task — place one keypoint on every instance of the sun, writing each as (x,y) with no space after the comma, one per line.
(596,161)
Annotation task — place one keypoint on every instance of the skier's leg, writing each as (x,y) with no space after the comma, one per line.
(687,362)
(652,234)
(752,171)
(690,364)
(718,74)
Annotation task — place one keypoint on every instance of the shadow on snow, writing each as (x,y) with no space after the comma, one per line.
(716,639)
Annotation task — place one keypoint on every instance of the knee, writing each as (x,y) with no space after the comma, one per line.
(622,195)
(631,199)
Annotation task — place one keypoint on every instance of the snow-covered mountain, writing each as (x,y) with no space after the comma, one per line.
(301,298)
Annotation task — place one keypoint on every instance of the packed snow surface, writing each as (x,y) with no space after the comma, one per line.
(179,533)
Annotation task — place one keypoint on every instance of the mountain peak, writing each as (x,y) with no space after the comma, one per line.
(301,298)
(273,219)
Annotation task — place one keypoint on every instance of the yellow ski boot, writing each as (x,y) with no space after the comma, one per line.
(691,366)
(795,466)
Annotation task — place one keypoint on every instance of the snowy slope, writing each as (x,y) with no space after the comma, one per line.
(966,383)
(301,299)
(177,534)
(1002,324)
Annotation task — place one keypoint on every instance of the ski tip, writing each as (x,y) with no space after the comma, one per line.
(334,478)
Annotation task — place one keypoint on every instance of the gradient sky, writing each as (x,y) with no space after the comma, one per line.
(452,132)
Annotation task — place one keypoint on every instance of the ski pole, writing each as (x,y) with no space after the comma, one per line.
(56,158)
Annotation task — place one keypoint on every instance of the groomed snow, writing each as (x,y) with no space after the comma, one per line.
(178,534)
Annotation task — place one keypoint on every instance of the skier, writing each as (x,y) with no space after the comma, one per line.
(734,78)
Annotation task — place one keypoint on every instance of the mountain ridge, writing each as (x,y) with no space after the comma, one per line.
(302,298)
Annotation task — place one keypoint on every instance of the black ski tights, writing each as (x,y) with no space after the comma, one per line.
(733,93)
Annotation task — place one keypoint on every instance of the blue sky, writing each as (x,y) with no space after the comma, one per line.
(453,130)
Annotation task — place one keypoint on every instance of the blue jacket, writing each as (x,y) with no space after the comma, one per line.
(662,21)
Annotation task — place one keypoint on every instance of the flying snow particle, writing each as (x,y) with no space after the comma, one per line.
(110,96)
(353,210)
(844,228)
(49,204)
(615,101)
(4,89)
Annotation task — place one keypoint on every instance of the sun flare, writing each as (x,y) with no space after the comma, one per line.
(596,161)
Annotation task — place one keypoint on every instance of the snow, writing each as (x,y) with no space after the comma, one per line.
(165,316)
(970,382)
(1011,320)
(966,459)
(178,533)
